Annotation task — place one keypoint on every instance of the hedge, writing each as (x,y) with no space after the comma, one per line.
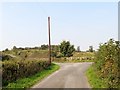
(108,63)
(13,70)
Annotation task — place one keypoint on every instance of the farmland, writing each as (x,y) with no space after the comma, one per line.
(36,54)
(19,64)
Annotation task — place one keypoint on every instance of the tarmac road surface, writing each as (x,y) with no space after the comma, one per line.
(70,75)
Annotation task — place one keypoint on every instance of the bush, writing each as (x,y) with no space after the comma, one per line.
(108,63)
(13,70)
(59,55)
(66,49)
(6,57)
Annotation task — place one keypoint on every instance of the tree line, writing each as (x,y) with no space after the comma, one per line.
(55,48)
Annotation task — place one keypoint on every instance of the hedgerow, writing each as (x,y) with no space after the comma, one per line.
(108,63)
(13,70)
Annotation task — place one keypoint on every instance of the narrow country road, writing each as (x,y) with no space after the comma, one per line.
(70,75)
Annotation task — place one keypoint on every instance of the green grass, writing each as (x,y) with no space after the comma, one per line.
(94,80)
(30,81)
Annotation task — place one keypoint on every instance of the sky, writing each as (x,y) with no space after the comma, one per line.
(24,24)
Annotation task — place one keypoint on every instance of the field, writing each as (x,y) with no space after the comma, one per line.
(18,64)
(43,55)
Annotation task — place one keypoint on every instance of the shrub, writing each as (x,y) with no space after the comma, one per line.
(66,49)
(13,70)
(108,63)
(90,49)
(6,57)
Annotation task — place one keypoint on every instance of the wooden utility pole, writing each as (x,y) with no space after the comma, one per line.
(49,40)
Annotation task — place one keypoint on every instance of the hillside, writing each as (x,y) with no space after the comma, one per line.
(37,54)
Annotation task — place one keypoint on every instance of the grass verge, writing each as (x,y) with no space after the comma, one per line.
(94,80)
(30,81)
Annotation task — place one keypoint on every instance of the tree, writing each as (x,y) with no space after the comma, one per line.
(78,49)
(6,49)
(55,48)
(66,49)
(44,47)
(15,50)
(14,47)
(91,49)
(53,54)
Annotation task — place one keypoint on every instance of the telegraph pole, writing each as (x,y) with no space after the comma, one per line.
(49,40)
